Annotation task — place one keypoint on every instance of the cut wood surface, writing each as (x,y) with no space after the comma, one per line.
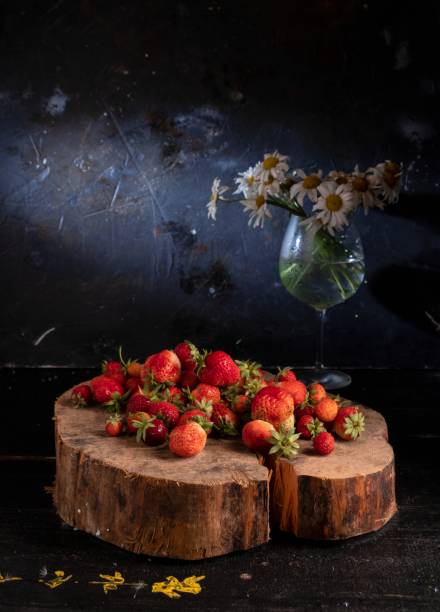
(148,501)
(347,493)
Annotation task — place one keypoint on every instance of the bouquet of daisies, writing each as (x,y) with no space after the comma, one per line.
(324,202)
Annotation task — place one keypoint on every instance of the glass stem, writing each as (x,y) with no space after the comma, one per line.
(319,361)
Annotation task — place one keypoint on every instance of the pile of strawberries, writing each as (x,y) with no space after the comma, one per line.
(180,397)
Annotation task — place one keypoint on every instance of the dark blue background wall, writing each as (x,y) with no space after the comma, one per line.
(116,116)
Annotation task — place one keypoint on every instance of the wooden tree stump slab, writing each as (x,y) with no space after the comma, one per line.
(147,501)
(347,493)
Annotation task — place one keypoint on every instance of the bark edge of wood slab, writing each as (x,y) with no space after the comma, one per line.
(348,493)
(147,501)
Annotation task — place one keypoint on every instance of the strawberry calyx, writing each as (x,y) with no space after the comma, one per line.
(125,362)
(315,427)
(284,443)
(249,369)
(225,426)
(354,424)
(204,423)
(204,405)
(141,425)
(113,406)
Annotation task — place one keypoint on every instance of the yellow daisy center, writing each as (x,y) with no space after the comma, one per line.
(341,180)
(250,180)
(360,183)
(269,180)
(270,162)
(333,202)
(390,178)
(311,182)
(259,201)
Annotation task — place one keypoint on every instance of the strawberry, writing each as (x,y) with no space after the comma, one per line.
(303,410)
(188,354)
(296,388)
(284,443)
(187,440)
(219,370)
(131,367)
(324,443)
(114,426)
(205,392)
(326,410)
(105,389)
(285,374)
(225,421)
(138,402)
(114,369)
(189,379)
(136,417)
(272,404)
(166,411)
(152,431)
(308,427)
(349,423)
(133,384)
(257,434)
(162,367)
(198,416)
(241,403)
(82,395)
(249,370)
(316,393)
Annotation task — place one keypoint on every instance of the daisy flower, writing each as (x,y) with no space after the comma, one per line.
(390,179)
(256,205)
(333,205)
(365,187)
(273,165)
(247,181)
(307,186)
(339,176)
(216,194)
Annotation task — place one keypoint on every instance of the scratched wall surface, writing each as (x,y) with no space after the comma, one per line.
(116,116)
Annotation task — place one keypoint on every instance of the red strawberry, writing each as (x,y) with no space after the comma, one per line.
(241,403)
(206,392)
(114,369)
(133,384)
(138,402)
(189,379)
(198,416)
(303,410)
(106,389)
(257,434)
(162,367)
(309,427)
(316,393)
(285,375)
(82,395)
(136,417)
(188,354)
(219,370)
(114,426)
(152,431)
(272,404)
(349,423)
(187,440)
(225,421)
(324,443)
(326,410)
(296,388)
(165,411)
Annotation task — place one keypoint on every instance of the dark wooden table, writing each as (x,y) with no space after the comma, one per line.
(395,569)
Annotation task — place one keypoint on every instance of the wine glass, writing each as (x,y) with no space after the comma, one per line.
(322,271)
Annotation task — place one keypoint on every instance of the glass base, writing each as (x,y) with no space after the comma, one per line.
(329,379)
